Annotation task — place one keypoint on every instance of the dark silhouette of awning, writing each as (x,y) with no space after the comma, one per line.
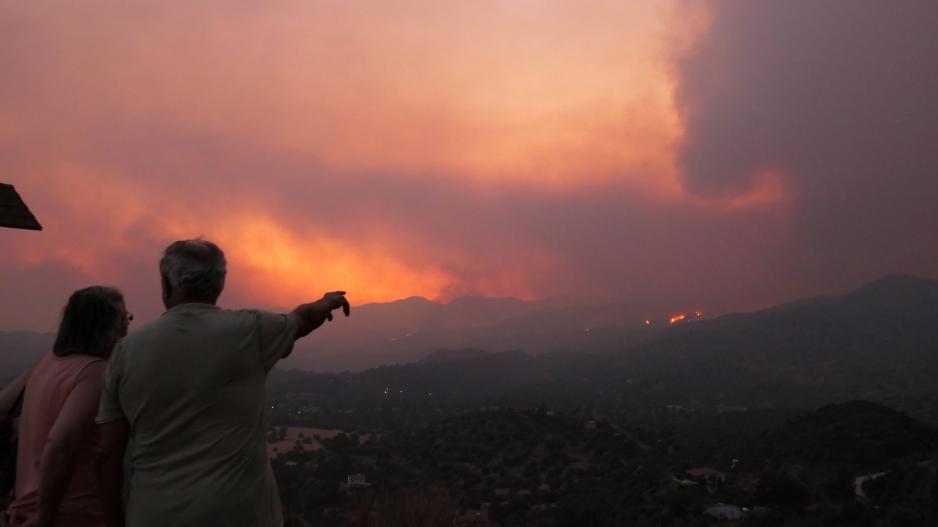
(13,212)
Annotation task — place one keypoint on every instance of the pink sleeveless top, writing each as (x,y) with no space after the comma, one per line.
(47,389)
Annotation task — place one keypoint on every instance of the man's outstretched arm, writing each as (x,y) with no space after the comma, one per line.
(310,316)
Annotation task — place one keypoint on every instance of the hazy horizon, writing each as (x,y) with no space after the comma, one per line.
(657,314)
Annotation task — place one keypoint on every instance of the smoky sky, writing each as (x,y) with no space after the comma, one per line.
(786,150)
(839,99)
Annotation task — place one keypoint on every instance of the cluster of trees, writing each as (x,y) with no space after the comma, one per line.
(542,467)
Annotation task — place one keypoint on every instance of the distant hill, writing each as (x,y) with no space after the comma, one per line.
(856,433)
(444,356)
(862,436)
(408,330)
(879,343)
(880,333)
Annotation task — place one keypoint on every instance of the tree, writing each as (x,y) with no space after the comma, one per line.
(780,490)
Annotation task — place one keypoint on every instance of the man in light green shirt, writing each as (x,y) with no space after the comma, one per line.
(187,390)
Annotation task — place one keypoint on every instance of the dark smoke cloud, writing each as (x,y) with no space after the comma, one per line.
(841,99)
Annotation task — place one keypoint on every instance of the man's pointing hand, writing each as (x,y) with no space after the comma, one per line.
(310,316)
(335,300)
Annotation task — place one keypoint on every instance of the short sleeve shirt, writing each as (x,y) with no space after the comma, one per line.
(191,387)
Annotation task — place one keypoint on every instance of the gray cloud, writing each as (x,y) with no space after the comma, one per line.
(840,98)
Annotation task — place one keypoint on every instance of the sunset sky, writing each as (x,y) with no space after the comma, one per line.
(728,155)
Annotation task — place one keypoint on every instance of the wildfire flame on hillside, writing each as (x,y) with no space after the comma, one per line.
(679,317)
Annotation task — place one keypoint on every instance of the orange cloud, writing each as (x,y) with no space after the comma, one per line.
(274,261)
(546,93)
(281,267)
(515,148)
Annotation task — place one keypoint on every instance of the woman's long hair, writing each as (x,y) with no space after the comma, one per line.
(90,322)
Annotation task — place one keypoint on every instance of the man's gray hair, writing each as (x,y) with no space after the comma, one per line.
(196,267)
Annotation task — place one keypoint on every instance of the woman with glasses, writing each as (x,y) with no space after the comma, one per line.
(55,469)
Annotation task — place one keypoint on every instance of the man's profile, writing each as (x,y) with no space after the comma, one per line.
(187,391)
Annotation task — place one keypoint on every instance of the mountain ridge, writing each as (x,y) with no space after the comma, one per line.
(409,329)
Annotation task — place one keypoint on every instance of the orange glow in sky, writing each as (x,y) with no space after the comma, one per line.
(278,266)
(372,146)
